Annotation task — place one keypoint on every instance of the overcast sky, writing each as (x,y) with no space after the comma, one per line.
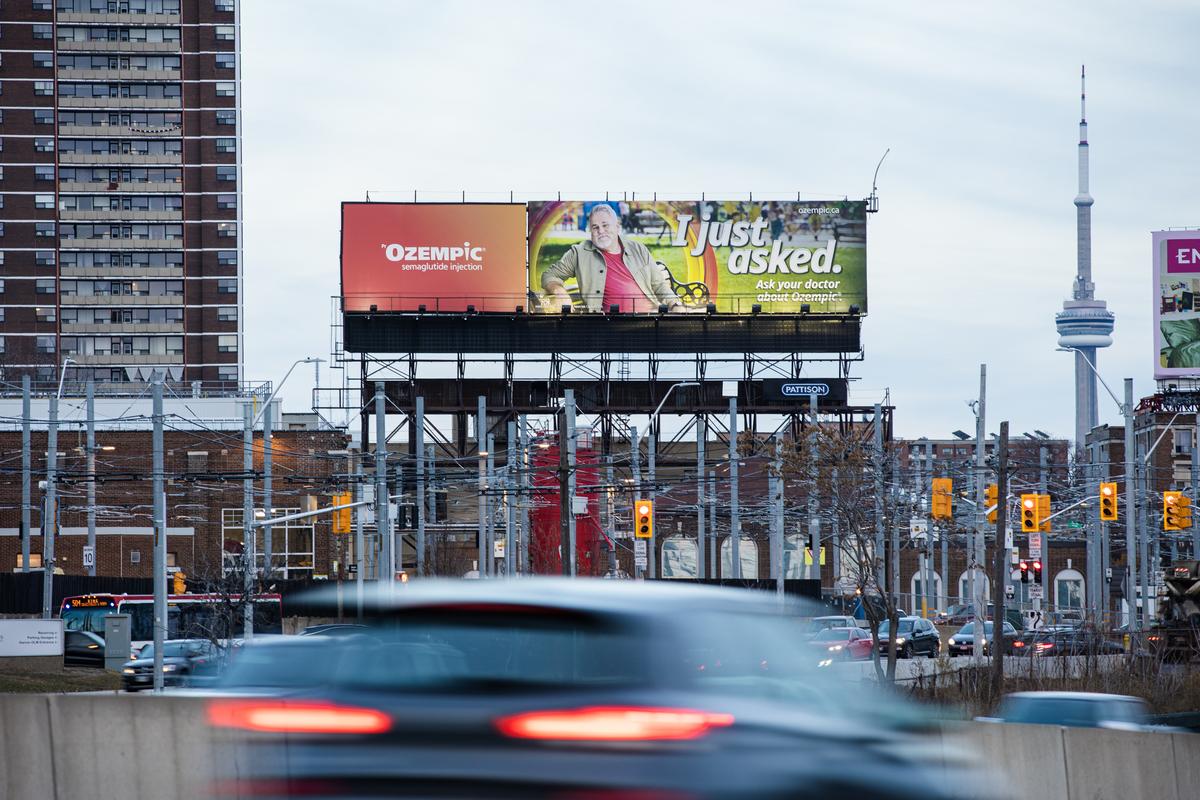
(971,253)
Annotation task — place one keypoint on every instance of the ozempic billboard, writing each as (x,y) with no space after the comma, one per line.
(1176,303)
(785,257)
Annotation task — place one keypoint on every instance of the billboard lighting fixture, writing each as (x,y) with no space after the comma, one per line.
(614,309)
(566,309)
(374,308)
(662,308)
(855,310)
(470,309)
(520,310)
(805,308)
(756,308)
(711,308)
(421,308)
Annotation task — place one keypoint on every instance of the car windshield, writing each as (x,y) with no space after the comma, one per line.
(832,635)
(906,626)
(820,624)
(969,629)
(1072,712)
(175,649)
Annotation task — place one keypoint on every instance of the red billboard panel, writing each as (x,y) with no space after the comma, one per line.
(401,256)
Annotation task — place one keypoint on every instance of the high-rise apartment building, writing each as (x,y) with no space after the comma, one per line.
(120,185)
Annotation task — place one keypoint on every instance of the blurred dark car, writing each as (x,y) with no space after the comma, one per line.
(915,637)
(1073,642)
(962,643)
(83,649)
(841,644)
(334,629)
(578,689)
(1073,709)
(182,659)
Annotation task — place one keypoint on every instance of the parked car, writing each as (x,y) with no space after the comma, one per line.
(841,644)
(962,643)
(182,658)
(83,649)
(1073,642)
(962,613)
(915,636)
(557,688)
(818,624)
(1073,709)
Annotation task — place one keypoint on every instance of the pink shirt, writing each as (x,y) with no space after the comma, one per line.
(620,288)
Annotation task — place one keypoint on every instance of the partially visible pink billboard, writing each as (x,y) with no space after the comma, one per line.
(1176,303)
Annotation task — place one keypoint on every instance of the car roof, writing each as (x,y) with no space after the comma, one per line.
(599,596)
(1096,696)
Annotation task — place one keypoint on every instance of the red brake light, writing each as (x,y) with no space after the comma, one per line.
(1018,644)
(279,716)
(1044,645)
(612,724)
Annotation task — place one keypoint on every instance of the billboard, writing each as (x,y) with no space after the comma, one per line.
(1177,303)
(401,256)
(681,256)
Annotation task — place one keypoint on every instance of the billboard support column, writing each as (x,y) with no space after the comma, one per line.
(420,448)
(572,482)
(480,445)
(526,497)
(701,435)
(636,467)
(735,519)
(510,485)
(651,570)
(491,505)
(383,520)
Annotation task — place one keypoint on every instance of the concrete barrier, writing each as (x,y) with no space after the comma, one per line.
(64,747)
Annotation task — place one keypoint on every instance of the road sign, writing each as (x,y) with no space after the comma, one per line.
(918,527)
(640,553)
(498,548)
(1074,524)
(89,556)
(1010,592)
(353,569)
(1035,591)
(1035,545)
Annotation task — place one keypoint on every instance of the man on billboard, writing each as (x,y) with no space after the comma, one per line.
(609,270)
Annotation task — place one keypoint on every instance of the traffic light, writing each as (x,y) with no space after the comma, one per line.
(1029,513)
(991,501)
(179,582)
(1024,571)
(342,517)
(942,505)
(1177,511)
(1044,512)
(1108,502)
(1035,570)
(643,527)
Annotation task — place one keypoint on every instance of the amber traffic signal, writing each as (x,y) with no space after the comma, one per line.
(1044,512)
(341,517)
(1177,511)
(942,505)
(1029,513)
(991,501)
(643,519)
(1108,502)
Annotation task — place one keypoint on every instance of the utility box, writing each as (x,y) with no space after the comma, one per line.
(117,641)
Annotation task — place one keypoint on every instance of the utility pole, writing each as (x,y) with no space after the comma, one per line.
(894,550)
(160,534)
(91,474)
(525,494)
(651,561)
(777,555)
(268,503)
(835,561)
(610,521)
(360,560)
(247,522)
(572,480)
(481,505)
(510,528)
(1000,564)
(711,496)
(431,509)
(977,560)
(50,518)
(814,520)
(491,505)
(735,519)
(877,463)
(636,466)
(1131,507)
(1143,537)
(1044,488)
(383,516)
(564,498)
(701,436)
(420,505)
(1196,484)
(926,480)
(26,476)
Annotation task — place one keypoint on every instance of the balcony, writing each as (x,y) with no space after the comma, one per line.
(129,328)
(121,216)
(132,186)
(117,273)
(67,300)
(117,19)
(121,244)
(117,359)
(120,158)
(118,47)
(120,102)
(119,75)
(117,130)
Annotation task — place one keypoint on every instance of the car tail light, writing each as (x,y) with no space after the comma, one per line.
(1043,646)
(1018,644)
(612,724)
(279,716)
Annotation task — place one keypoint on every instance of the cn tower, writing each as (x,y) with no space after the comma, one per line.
(1085,324)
